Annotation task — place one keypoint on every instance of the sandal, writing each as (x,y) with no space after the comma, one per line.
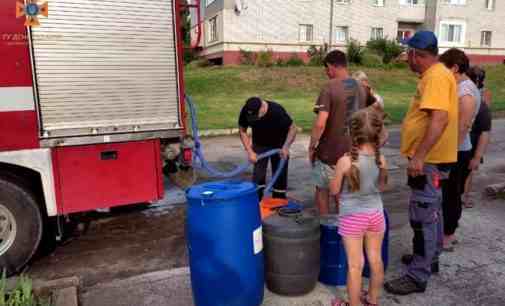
(339,302)
(364,299)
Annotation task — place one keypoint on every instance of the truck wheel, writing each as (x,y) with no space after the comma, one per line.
(20,226)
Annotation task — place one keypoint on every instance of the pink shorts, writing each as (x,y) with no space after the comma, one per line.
(356,225)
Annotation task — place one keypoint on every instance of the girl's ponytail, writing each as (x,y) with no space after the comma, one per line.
(354,177)
(366,127)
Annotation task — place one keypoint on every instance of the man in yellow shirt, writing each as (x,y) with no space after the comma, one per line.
(430,141)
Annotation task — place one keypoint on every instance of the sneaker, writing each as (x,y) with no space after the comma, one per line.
(408,258)
(404,285)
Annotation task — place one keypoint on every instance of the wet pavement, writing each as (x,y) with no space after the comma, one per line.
(149,241)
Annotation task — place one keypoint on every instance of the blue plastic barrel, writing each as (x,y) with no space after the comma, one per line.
(224,237)
(385,250)
(333,258)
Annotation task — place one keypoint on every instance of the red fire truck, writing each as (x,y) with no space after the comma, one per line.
(86,99)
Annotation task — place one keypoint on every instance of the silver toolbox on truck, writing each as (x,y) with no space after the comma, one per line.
(106,70)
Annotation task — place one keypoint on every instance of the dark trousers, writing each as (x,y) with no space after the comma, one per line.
(260,173)
(426,221)
(452,190)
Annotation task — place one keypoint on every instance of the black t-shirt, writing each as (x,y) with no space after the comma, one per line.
(270,130)
(481,124)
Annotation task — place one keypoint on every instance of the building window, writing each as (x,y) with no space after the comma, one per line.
(209,2)
(485,38)
(455,2)
(342,1)
(490,4)
(213,29)
(452,32)
(342,34)
(411,2)
(378,2)
(377,33)
(403,35)
(306,32)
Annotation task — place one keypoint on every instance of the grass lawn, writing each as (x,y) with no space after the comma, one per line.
(220,92)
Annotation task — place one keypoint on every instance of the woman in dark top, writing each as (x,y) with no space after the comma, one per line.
(480,133)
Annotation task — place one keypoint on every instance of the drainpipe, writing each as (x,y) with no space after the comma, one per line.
(331,24)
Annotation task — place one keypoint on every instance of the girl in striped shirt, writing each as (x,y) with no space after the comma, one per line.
(361,176)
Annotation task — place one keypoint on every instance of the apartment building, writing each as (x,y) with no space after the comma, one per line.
(290,27)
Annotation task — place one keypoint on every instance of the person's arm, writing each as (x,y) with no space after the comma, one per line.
(247,143)
(343,166)
(488,97)
(317,131)
(438,122)
(480,151)
(290,138)
(466,112)
(384,136)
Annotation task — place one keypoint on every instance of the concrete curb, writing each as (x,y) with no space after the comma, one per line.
(65,297)
(235,131)
(148,277)
(64,291)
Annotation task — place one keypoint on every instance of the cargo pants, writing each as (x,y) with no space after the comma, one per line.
(426,220)
(260,174)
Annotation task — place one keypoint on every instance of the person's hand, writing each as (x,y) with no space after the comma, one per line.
(415,167)
(474,164)
(284,153)
(253,157)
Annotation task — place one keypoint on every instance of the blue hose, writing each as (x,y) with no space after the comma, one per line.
(200,161)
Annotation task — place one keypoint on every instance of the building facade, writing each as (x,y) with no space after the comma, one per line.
(290,27)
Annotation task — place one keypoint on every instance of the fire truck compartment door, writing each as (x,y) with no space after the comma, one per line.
(106,66)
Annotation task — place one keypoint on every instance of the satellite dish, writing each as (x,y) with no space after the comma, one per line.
(240,5)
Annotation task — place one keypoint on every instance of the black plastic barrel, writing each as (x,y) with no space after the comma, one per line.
(291,239)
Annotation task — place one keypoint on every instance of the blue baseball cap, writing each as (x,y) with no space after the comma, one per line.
(423,40)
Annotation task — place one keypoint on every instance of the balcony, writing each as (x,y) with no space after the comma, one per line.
(412,12)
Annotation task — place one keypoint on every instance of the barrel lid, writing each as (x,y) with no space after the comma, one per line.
(292,225)
(220,190)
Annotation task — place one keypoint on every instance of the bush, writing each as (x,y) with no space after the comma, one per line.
(280,62)
(317,54)
(189,55)
(388,49)
(294,61)
(371,60)
(355,52)
(265,58)
(22,295)
(247,57)
(202,62)
(399,65)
